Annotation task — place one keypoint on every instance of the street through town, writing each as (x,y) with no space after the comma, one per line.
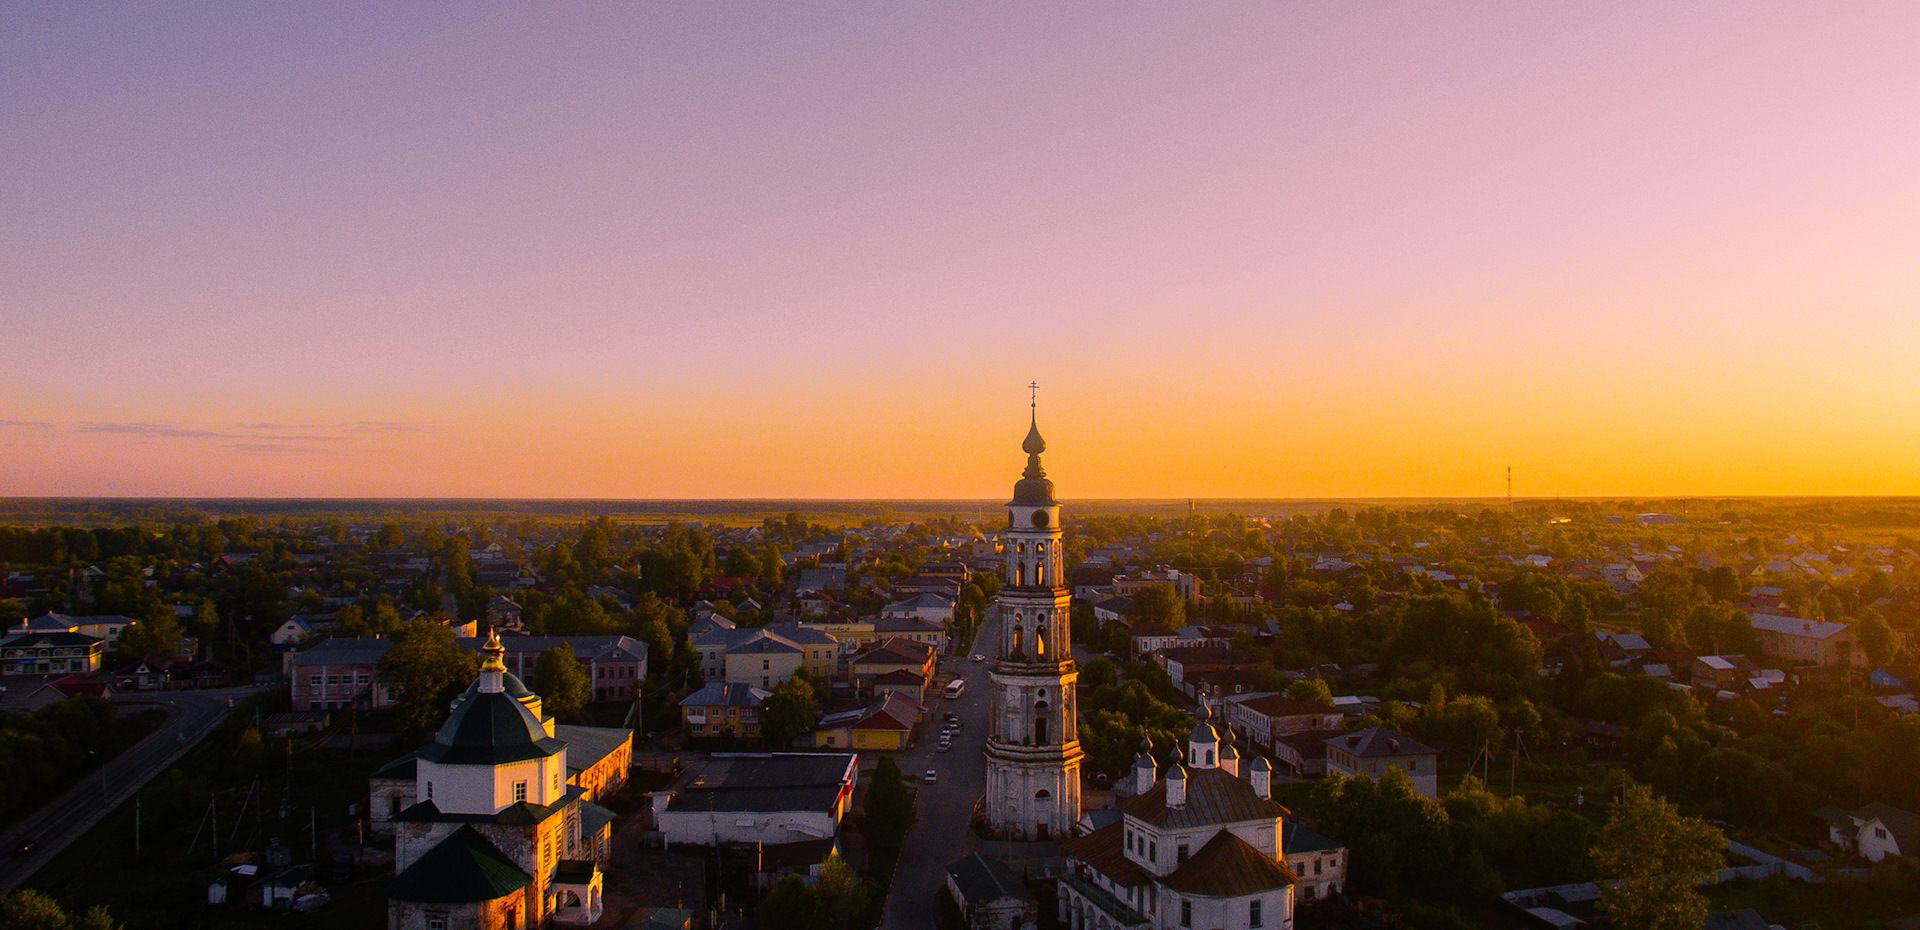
(943,829)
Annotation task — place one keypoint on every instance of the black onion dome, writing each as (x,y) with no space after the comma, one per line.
(489,728)
(1034,445)
(1034,490)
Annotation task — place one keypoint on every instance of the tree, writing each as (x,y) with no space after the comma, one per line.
(1396,834)
(427,670)
(1880,641)
(791,905)
(1311,690)
(1159,604)
(1667,596)
(563,685)
(1652,856)
(788,713)
(888,807)
(158,634)
(28,909)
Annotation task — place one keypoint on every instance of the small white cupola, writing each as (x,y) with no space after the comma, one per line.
(1203,744)
(1145,771)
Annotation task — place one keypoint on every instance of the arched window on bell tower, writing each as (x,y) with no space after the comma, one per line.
(1040,723)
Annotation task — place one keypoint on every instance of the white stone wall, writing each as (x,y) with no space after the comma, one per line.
(1276,911)
(702,828)
(487,789)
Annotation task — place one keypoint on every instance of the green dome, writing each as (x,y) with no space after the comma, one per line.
(490,728)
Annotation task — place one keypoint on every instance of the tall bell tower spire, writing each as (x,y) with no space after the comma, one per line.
(1033,744)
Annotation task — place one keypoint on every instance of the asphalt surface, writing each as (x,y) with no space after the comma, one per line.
(191,715)
(942,830)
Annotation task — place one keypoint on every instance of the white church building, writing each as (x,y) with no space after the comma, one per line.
(1198,849)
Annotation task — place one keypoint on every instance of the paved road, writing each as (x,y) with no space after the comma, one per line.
(942,830)
(191,715)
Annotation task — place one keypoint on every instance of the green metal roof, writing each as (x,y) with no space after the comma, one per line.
(489,728)
(462,869)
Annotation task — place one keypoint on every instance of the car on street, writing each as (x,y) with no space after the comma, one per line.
(25,847)
(977,657)
(946,745)
(932,778)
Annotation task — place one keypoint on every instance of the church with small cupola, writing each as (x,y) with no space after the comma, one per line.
(496,835)
(1201,846)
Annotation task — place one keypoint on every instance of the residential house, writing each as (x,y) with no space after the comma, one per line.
(291,632)
(341,673)
(1149,636)
(723,709)
(617,665)
(1371,752)
(1092,583)
(932,608)
(1305,753)
(884,725)
(991,896)
(1320,864)
(1873,832)
(1182,663)
(1266,718)
(889,655)
(929,632)
(1809,642)
(503,613)
(1185,584)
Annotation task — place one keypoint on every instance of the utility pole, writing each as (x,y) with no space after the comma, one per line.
(1509,488)
(136,825)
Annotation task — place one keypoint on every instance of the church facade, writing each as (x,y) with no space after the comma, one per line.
(1202,847)
(1033,746)
(497,836)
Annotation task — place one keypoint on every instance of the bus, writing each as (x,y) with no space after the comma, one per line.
(956,687)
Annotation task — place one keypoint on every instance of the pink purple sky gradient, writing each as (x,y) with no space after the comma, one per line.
(727,250)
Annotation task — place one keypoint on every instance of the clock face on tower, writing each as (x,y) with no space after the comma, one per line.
(1039,518)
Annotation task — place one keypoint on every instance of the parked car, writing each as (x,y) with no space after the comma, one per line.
(932,778)
(977,657)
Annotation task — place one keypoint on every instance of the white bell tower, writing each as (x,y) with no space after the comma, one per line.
(1033,743)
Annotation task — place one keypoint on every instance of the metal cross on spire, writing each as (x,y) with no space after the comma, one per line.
(1033,395)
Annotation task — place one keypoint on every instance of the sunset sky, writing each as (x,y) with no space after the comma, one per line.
(672,250)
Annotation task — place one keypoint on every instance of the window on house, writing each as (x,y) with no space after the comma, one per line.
(1186,913)
(1316,866)
(429,791)
(333,679)
(1880,832)
(436,922)
(1253,913)
(1180,854)
(1413,765)
(519,791)
(313,681)
(1153,852)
